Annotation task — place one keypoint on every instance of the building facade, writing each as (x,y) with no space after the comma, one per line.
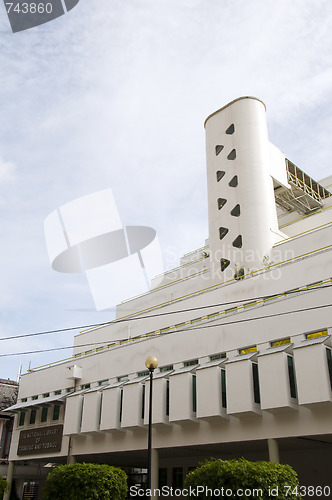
(241,330)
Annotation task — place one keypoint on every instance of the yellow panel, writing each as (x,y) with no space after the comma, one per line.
(314,335)
(280,342)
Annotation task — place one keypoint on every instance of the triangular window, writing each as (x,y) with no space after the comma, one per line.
(236,211)
(220,175)
(224,263)
(221,202)
(232,155)
(219,148)
(237,243)
(233,182)
(222,232)
(231,129)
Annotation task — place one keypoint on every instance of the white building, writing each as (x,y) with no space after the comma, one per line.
(241,330)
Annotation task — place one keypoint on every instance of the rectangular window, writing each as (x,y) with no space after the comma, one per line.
(57,393)
(193,362)
(121,402)
(143,401)
(314,335)
(124,378)
(44,412)
(291,376)
(46,395)
(257,396)
(143,374)
(177,479)
(194,393)
(21,418)
(248,350)
(103,382)
(162,478)
(277,343)
(56,412)
(85,386)
(34,398)
(329,363)
(167,368)
(215,357)
(167,397)
(223,389)
(33,414)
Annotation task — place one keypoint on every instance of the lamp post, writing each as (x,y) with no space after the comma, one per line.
(151,363)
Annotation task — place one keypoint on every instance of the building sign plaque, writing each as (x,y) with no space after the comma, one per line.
(40,440)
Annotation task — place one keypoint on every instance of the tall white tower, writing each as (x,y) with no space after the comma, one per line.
(242,213)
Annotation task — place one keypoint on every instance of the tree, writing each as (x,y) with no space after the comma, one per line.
(85,481)
(3,486)
(243,479)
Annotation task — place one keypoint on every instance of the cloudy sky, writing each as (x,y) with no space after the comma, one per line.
(114,94)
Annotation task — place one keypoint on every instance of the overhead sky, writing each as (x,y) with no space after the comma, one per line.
(114,94)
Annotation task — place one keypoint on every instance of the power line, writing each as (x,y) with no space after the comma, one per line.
(116,342)
(123,320)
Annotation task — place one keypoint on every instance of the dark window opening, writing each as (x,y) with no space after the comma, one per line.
(143,401)
(237,243)
(234,182)
(177,477)
(121,403)
(56,412)
(162,478)
(21,418)
(224,263)
(329,363)
(221,202)
(291,376)
(232,155)
(167,397)
(220,175)
(236,212)
(33,414)
(44,412)
(223,389)
(194,393)
(219,148)
(231,129)
(255,378)
(222,232)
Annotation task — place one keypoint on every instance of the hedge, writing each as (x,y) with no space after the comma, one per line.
(85,481)
(262,480)
(3,486)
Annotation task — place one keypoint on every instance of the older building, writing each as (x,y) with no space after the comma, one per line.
(241,330)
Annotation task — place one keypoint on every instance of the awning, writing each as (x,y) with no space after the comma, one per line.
(36,402)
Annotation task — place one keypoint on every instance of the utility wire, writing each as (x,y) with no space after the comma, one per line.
(115,342)
(123,320)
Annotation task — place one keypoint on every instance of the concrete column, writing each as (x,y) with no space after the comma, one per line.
(71,460)
(9,479)
(154,471)
(273,450)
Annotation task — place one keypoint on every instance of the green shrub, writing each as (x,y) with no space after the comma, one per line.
(263,480)
(85,482)
(3,486)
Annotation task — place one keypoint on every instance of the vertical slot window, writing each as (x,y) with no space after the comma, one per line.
(329,363)
(291,376)
(121,404)
(100,408)
(21,419)
(143,401)
(56,412)
(167,398)
(255,378)
(44,413)
(223,389)
(194,393)
(33,414)
(177,477)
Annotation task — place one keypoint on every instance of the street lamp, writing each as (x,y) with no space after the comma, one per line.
(151,363)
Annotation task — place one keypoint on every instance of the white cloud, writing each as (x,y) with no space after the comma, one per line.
(7,171)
